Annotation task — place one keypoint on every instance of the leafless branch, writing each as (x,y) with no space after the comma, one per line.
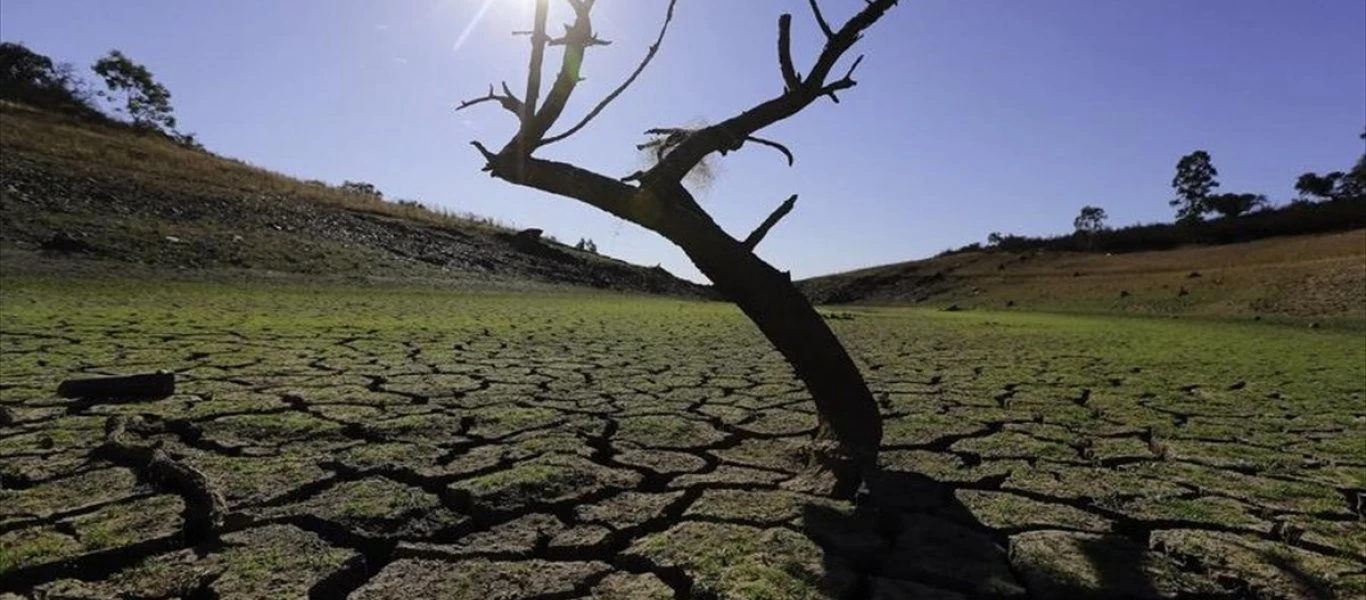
(649,56)
(790,77)
(762,230)
(820,20)
(731,133)
(533,79)
(577,38)
(506,99)
(774,145)
(842,83)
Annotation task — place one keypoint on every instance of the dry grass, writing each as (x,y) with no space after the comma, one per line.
(1301,276)
(156,162)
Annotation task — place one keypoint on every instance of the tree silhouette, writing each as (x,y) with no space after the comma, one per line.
(145,101)
(1194,180)
(1091,219)
(1089,222)
(362,188)
(1232,205)
(1312,185)
(849,433)
(32,78)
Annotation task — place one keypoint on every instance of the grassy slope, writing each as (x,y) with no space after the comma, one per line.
(141,200)
(1321,276)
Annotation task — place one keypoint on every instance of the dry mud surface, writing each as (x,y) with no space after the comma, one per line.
(499,448)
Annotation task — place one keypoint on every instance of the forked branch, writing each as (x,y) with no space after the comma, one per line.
(506,99)
(731,133)
(640,68)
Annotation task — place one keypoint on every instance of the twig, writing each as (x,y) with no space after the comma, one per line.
(762,230)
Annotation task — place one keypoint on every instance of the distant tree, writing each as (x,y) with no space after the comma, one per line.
(586,245)
(1352,186)
(32,78)
(362,188)
(1091,219)
(1314,186)
(146,102)
(1233,205)
(994,239)
(1089,222)
(1194,180)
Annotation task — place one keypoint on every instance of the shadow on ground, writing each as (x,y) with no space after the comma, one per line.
(909,537)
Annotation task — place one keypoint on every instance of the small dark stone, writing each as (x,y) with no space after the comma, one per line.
(952,308)
(64,242)
(1124,293)
(1193,275)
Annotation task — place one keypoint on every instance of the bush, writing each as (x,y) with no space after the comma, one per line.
(33,79)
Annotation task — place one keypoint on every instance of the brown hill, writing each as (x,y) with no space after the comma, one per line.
(110,198)
(1320,275)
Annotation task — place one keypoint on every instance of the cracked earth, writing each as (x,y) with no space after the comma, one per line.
(637,449)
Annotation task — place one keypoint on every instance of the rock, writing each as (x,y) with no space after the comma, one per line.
(1065,565)
(1124,293)
(531,234)
(174,240)
(64,242)
(952,308)
(1193,275)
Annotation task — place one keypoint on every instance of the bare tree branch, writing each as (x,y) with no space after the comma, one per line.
(731,133)
(774,145)
(577,38)
(762,230)
(843,83)
(820,20)
(507,100)
(790,77)
(650,55)
(533,79)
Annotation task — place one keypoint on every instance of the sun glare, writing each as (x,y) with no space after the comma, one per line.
(474,22)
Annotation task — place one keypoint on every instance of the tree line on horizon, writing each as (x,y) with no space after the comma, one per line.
(1333,201)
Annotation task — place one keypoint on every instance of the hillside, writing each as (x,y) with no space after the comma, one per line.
(1320,275)
(99,198)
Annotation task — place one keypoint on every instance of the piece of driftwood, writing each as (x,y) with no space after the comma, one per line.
(204,506)
(160,384)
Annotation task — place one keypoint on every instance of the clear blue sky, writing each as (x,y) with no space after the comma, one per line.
(971,116)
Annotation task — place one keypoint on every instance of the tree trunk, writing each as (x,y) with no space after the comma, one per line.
(850,426)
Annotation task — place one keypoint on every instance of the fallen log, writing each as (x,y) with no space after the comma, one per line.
(160,384)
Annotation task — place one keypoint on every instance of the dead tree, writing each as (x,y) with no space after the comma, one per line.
(850,428)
